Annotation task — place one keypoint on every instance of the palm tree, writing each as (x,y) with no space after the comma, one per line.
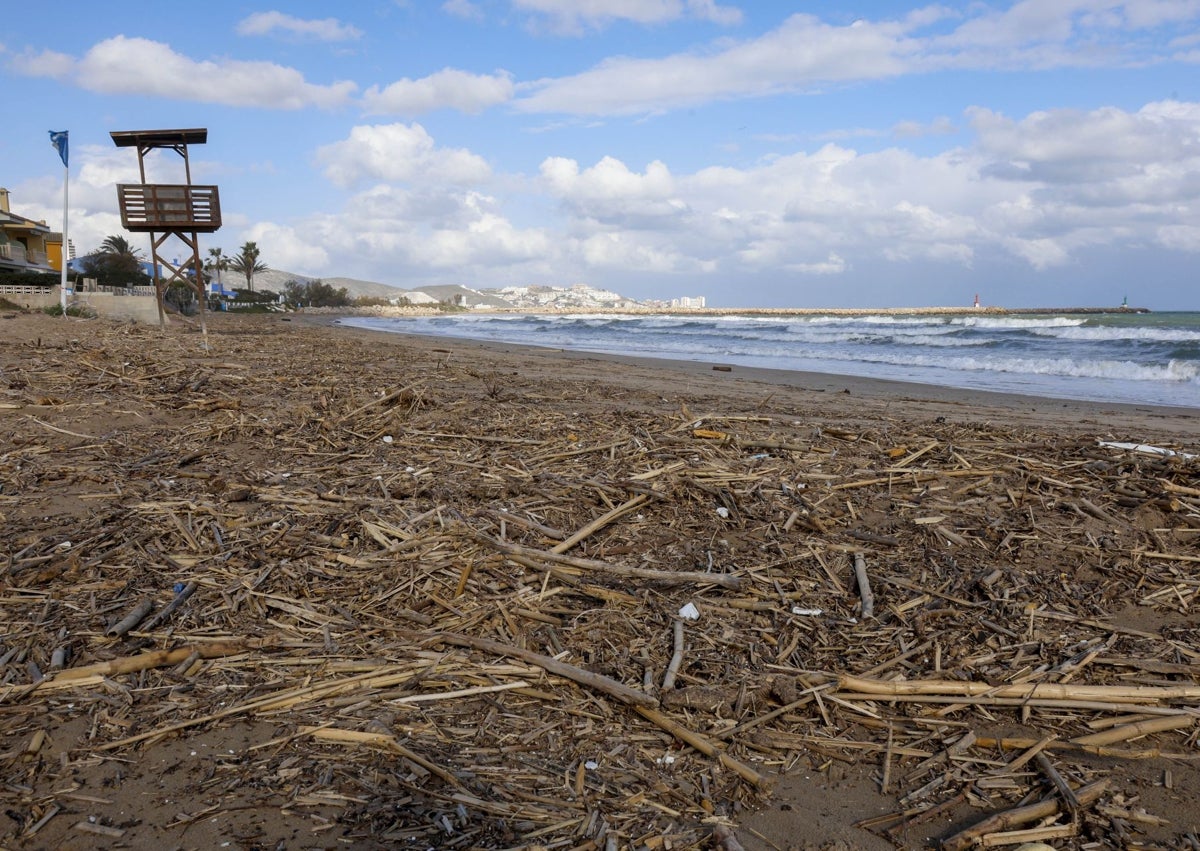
(119,245)
(218,262)
(246,262)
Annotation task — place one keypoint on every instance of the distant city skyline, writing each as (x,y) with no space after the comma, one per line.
(889,154)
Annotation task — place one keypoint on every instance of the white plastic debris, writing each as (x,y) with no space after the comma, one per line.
(689,612)
(723,512)
(798,610)
(387,438)
(1145,449)
(591,765)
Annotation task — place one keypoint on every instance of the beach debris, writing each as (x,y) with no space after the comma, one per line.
(487,644)
(1146,449)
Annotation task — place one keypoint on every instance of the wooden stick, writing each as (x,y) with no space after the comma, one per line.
(676,659)
(1020,815)
(1125,732)
(1051,691)
(600,522)
(1070,800)
(379,740)
(132,619)
(590,679)
(395,394)
(864,586)
(706,746)
(678,577)
(180,598)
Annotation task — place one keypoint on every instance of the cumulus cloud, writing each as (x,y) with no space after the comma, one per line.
(289,249)
(117,66)
(1043,189)
(805,53)
(398,152)
(44,63)
(575,16)
(449,88)
(1071,147)
(323,29)
(609,191)
(390,231)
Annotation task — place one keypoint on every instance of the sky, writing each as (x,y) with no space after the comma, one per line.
(1037,153)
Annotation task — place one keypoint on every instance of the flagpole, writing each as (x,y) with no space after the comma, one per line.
(62,289)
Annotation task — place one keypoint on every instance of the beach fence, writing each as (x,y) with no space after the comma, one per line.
(136,303)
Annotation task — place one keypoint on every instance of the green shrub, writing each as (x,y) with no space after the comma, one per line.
(79,311)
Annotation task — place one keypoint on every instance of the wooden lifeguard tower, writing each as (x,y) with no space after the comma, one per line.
(164,210)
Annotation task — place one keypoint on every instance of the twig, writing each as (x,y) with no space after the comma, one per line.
(864,586)
(599,682)
(600,522)
(676,659)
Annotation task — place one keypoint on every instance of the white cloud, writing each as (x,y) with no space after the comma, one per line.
(290,250)
(323,29)
(574,16)
(801,52)
(1087,150)
(464,9)
(1043,189)
(409,238)
(940,126)
(118,66)
(398,152)
(46,63)
(1180,237)
(449,88)
(609,191)
(806,54)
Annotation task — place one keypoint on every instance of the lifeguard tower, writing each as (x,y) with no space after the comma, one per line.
(164,210)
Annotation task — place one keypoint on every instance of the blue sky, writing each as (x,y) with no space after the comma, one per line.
(1039,153)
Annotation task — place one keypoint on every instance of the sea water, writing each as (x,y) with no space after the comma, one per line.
(1149,358)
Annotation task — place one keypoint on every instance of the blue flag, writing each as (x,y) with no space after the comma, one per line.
(58,138)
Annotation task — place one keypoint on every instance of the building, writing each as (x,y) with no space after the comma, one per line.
(688,302)
(27,245)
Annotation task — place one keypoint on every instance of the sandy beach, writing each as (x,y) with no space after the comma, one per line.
(318,587)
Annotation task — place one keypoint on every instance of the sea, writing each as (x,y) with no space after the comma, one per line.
(1135,358)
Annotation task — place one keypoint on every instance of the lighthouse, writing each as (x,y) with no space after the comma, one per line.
(976,301)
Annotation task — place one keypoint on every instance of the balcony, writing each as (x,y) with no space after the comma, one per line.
(169,207)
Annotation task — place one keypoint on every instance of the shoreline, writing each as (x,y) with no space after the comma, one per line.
(973,405)
(662,310)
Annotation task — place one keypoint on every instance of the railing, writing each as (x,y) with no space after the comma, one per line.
(5,251)
(142,291)
(164,207)
(28,289)
(35,258)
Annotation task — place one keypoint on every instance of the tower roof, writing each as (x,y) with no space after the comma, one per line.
(159,138)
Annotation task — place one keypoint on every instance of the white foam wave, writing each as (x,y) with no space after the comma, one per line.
(1106,333)
(1017,323)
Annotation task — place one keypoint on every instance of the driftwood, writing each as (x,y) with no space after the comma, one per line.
(608,686)
(665,576)
(1085,796)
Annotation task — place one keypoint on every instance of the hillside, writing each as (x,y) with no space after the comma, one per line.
(576,297)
